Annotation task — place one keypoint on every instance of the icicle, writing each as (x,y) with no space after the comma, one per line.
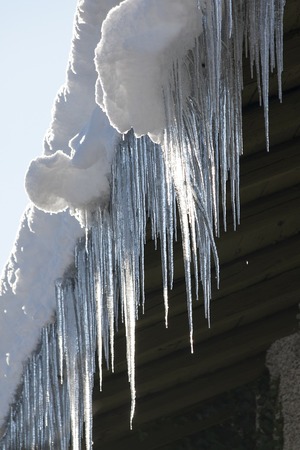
(187,175)
(71,346)
(279,44)
(38,420)
(265,22)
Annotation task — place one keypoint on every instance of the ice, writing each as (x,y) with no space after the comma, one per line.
(265,43)
(40,415)
(171,70)
(44,248)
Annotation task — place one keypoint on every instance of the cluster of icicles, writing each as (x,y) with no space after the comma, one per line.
(183,178)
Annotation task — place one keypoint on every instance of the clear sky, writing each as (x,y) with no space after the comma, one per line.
(35,39)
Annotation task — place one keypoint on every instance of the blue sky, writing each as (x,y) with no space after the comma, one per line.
(35,38)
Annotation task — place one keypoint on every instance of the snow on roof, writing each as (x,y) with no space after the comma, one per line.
(172,70)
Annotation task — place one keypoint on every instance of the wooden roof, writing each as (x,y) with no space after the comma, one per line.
(256,304)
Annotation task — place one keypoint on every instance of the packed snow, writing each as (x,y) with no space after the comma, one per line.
(140,41)
(58,181)
(75,101)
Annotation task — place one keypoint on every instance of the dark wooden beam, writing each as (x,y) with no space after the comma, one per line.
(180,370)
(156,435)
(264,173)
(284,123)
(291,16)
(183,380)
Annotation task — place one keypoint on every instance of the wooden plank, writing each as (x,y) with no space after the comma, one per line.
(263,222)
(290,79)
(291,16)
(185,380)
(232,311)
(264,264)
(284,123)
(166,403)
(210,356)
(263,173)
(167,432)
